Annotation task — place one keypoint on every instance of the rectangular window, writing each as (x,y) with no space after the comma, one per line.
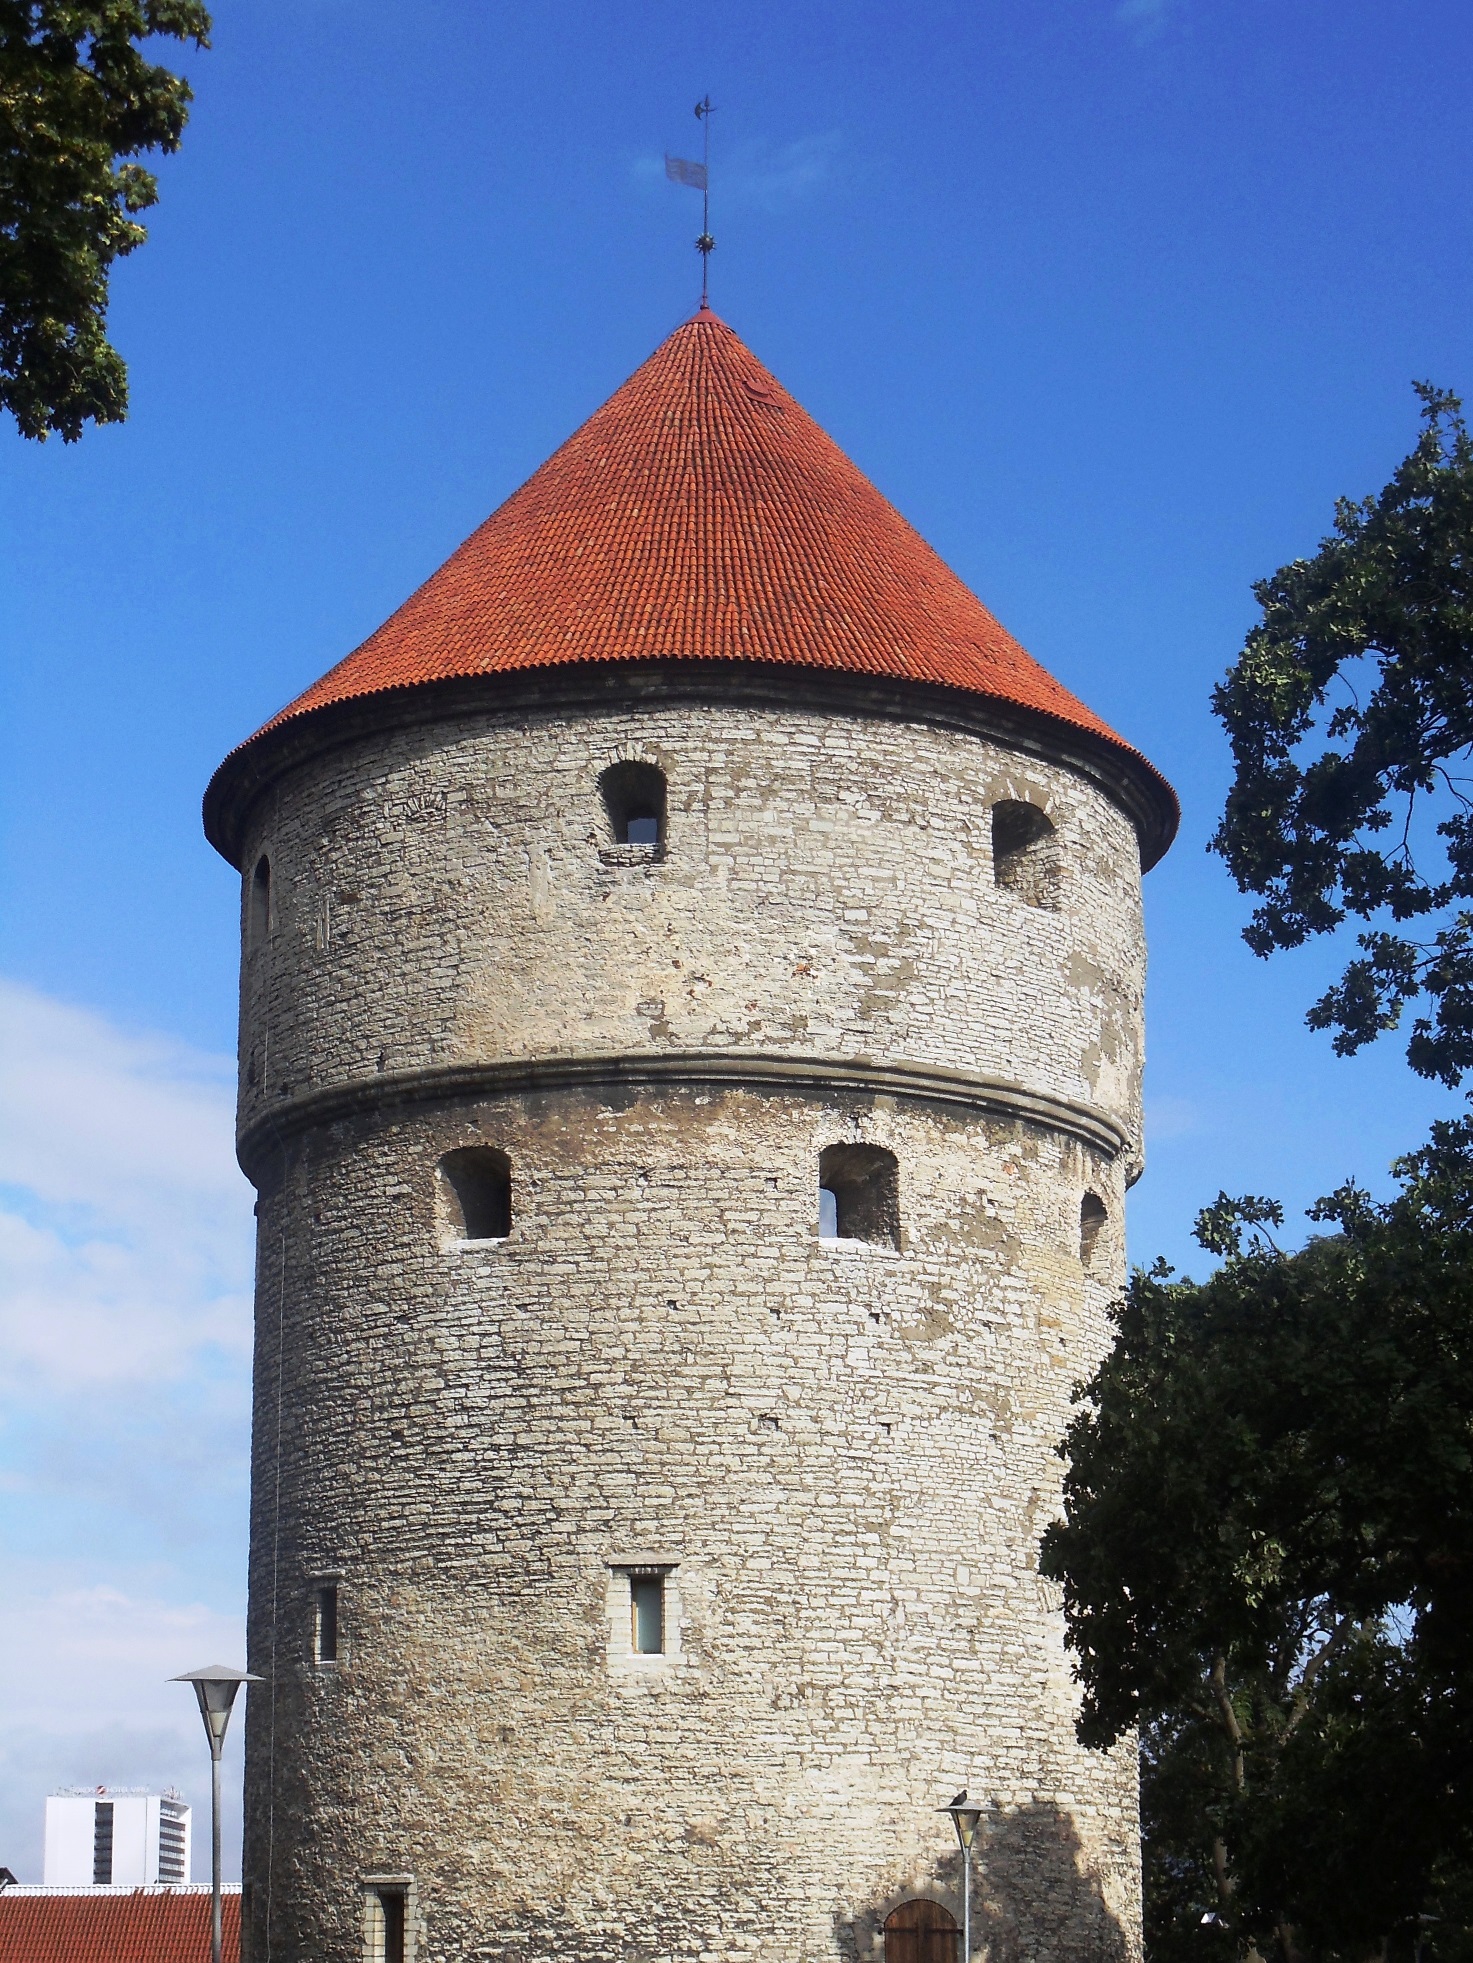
(325,1623)
(171,1843)
(647,1614)
(102,1844)
(385,1942)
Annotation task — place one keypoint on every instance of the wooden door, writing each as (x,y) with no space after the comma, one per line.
(920,1932)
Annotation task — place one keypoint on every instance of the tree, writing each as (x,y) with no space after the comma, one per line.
(1267,1563)
(77,100)
(1350,713)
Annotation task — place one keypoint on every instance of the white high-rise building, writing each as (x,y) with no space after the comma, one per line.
(115,1837)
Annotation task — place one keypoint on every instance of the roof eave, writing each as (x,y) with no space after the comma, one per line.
(1125,776)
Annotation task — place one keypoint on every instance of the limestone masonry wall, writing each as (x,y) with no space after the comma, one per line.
(839,1455)
(826,889)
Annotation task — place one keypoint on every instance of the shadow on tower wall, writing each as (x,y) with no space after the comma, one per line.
(1035,1899)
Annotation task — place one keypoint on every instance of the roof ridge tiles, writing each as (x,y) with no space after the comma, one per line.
(105,1925)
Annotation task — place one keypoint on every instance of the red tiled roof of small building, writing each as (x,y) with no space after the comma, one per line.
(699,514)
(155,1925)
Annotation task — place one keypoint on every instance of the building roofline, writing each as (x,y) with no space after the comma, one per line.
(108,1892)
(1120,772)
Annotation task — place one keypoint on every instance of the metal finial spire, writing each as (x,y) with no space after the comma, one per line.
(684,170)
(705,244)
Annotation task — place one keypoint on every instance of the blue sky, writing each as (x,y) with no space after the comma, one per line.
(1111,297)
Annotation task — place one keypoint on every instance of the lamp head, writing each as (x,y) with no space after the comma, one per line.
(966,1816)
(215,1687)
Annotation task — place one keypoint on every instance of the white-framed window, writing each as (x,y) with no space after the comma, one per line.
(644,1614)
(647,1614)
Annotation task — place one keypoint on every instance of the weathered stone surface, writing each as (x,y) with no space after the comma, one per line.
(826,888)
(843,1454)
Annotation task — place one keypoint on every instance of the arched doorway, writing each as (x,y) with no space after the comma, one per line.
(920,1932)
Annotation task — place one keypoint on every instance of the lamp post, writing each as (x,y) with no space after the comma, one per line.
(966,1816)
(215,1687)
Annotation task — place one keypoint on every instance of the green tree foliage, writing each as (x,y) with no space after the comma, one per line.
(1350,712)
(1267,1563)
(78,99)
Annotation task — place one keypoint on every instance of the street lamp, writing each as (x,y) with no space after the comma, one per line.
(215,1687)
(966,1816)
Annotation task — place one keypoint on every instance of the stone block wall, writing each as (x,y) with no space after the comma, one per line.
(451,893)
(840,1455)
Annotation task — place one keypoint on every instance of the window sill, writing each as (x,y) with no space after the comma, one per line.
(643,1663)
(632,855)
(846,1244)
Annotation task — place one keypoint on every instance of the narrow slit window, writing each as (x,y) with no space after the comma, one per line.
(634,798)
(325,1622)
(475,1193)
(647,1614)
(102,1844)
(1092,1217)
(385,1930)
(1025,852)
(859,1195)
(258,905)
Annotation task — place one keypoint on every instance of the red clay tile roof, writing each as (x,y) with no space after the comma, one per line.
(148,1926)
(699,513)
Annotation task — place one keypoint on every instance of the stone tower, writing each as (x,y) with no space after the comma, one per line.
(690,1063)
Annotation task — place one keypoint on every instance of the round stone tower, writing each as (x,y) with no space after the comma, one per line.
(690,1063)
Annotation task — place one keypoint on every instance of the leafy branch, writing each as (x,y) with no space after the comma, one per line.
(1267,1563)
(1324,808)
(78,101)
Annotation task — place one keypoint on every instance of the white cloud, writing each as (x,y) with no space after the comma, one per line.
(122,1646)
(1144,19)
(1169,1117)
(91,1664)
(125,1267)
(92,1108)
(774,174)
(124,1221)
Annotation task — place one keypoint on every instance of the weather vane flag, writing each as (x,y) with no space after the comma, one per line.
(685,170)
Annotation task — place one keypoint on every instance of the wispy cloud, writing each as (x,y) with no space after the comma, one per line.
(1144,20)
(124,1221)
(89,1701)
(1169,1117)
(125,1261)
(758,174)
(774,175)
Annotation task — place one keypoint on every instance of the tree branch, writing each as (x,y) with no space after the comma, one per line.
(1229,1716)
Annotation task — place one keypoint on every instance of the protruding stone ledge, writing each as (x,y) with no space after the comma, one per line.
(801,1076)
(1132,784)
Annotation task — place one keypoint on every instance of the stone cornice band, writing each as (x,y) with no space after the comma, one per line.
(678,1070)
(1131,783)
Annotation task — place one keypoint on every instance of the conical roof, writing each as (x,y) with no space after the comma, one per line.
(700,515)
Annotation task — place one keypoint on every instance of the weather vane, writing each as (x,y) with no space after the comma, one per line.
(685,170)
